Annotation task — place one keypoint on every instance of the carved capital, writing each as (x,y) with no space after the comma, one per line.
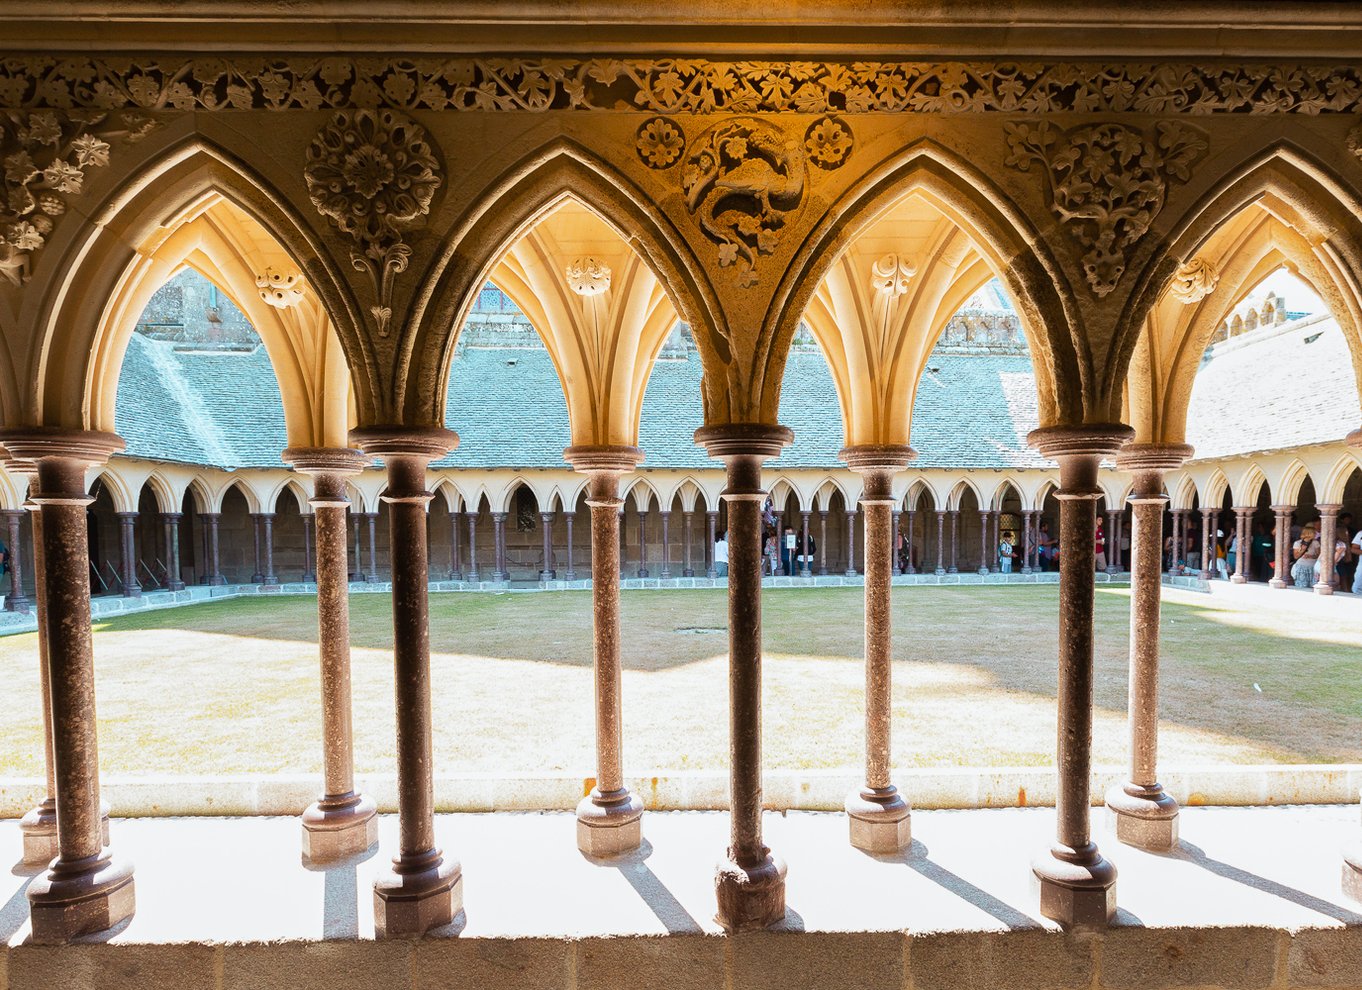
(1194,281)
(280,289)
(891,274)
(744,439)
(877,457)
(589,459)
(588,277)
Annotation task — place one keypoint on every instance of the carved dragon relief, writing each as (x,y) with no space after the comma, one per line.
(373,174)
(1108,183)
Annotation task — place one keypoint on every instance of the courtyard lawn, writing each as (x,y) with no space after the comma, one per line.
(232,687)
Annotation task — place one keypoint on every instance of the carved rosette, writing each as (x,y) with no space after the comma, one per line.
(280,289)
(890,275)
(744,181)
(828,142)
(373,174)
(659,142)
(588,277)
(46,157)
(1194,281)
(1108,183)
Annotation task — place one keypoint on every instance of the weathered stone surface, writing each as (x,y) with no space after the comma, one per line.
(1326,957)
(355,965)
(677,962)
(492,964)
(111,967)
(1037,960)
(827,960)
(1136,958)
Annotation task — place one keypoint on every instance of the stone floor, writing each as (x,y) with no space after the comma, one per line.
(1253,899)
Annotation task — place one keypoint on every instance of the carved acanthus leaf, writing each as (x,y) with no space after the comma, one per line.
(891,274)
(588,277)
(373,174)
(281,289)
(1107,182)
(1194,281)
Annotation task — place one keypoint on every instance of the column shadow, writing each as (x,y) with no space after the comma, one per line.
(633,867)
(15,910)
(917,857)
(1195,854)
(340,903)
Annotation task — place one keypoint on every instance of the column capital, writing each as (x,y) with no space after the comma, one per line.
(1141,457)
(325,460)
(1088,439)
(430,443)
(36,443)
(1275,508)
(877,457)
(744,439)
(1326,507)
(171,517)
(131,516)
(1246,509)
(587,458)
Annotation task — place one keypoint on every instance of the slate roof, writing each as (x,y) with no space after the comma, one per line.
(1273,389)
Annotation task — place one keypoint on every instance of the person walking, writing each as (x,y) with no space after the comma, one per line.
(721,555)
(1007,549)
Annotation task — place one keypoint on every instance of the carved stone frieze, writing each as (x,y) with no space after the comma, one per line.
(891,274)
(673,85)
(1194,281)
(373,174)
(1354,140)
(659,143)
(46,156)
(280,289)
(588,277)
(744,180)
(1107,183)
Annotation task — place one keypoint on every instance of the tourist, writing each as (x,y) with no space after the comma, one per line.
(1101,541)
(1261,551)
(721,555)
(1220,566)
(1047,548)
(1356,549)
(1340,551)
(1232,558)
(1347,567)
(1006,551)
(771,553)
(809,548)
(1304,553)
(788,543)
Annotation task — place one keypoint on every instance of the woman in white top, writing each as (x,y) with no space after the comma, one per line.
(721,555)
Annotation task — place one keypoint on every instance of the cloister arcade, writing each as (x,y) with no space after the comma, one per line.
(354,207)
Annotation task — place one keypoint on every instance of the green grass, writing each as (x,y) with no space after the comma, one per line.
(232,687)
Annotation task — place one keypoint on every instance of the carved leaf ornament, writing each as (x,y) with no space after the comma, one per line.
(1194,281)
(1107,183)
(373,174)
(588,277)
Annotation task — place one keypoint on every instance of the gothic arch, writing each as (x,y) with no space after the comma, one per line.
(162,491)
(642,488)
(124,498)
(1185,493)
(225,485)
(958,491)
(1337,479)
(826,488)
(1249,484)
(1000,492)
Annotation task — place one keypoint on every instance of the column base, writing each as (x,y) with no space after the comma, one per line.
(1144,817)
(175,586)
(608,825)
(339,830)
(687,572)
(851,573)
(1027,570)
(18,603)
(940,572)
(641,572)
(569,575)
(953,570)
(880,820)
(134,592)
(546,575)
(271,580)
(983,570)
(81,899)
(1324,589)
(750,898)
(217,582)
(1276,583)
(711,574)
(1238,579)
(1077,891)
(426,894)
(39,831)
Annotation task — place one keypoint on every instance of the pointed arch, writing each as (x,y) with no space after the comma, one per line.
(501,501)
(1185,493)
(1250,482)
(226,484)
(1336,481)
(162,492)
(123,497)
(642,492)
(957,493)
(1214,490)
(1288,487)
(1008,483)
(289,484)
(200,491)
(826,488)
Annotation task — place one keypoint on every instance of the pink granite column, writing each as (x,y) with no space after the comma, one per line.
(1112,550)
(1328,524)
(309,575)
(16,600)
(851,544)
(455,567)
(85,890)
(805,570)
(822,542)
(472,572)
(909,567)
(1208,543)
(666,572)
(955,541)
(940,541)
(983,541)
(372,519)
(750,883)
(267,519)
(343,822)
(569,516)
(546,529)
(610,818)
(424,889)
(1119,535)
(1026,541)
(127,554)
(257,576)
(1077,886)
(894,532)
(499,546)
(710,572)
(877,813)
(642,542)
(1240,575)
(1281,555)
(686,569)
(1141,813)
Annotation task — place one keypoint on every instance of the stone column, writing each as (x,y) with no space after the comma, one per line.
(1119,532)
(955,541)
(499,546)
(1077,886)
(455,568)
(710,572)
(343,822)
(610,818)
(127,554)
(878,814)
(642,543)
(805,570)
(822,542)
(570,574)
(267,518)
(1328,523)
(372,519)
(16,600)
(1208,543)
(1240,575)
(940,541)
(308,574)
(174,581)
(686,569)
(1026,541)
(359,547)
(424,890)
(214,561)
(1140,811)
(666,571)
(909,567)
(257,577)
(750,883)
(1281,572)
(472,573)
(983,541)
(546,527)
(86,890)
(851,544)
(1112,549)
(894,533)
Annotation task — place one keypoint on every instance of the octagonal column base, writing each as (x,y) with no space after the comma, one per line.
(751,898)
(1238,579)
(880,820)
(338,830)
(609,824)
(1078,892)
(80,899)
(39,831)
(1324,589)
(1276,583)
(416,900)
(1144,817)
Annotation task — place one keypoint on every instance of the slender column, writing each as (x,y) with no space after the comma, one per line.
(1240,575)
(940,541)
(569,517)
(909,567)
(211,520)
(1026,541)
(1179,538)
(424,889)
(256,576)
(455,571)
(750,884)
(1077,886)
(955,541)
(1114,545)
(1281,548)
(85,890)
(851,544)
(206,577)
(1140,811)
(642,543)
(472,545)
(666,571)
(16,600)
(822,542)
(546,527)
(1352,856)
(267,519)
(499,545)
(983,541)
(1208,543)
(1328,539)
(686,569)
(877,812)
(343,822)
(894,533)
(1111,545)
(171,521)
(995,560)
(359,547)
(610,818)
(127,554)
(710,572)
(309,575)
(372,519)
(805,570)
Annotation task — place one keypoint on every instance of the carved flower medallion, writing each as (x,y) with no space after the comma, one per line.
(828,141)
(588,277)
(659,143)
